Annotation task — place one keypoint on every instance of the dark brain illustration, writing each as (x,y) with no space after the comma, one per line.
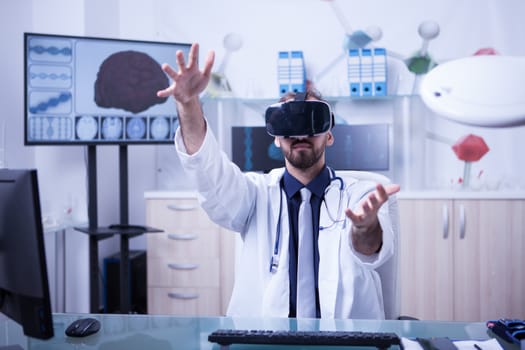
(129,80)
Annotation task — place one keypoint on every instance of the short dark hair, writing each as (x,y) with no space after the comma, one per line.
(309,93)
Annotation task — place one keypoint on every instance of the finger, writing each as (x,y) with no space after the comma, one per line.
(166,92)
(169,71)
(381,193)
(193,56)
(210,58)
(391,189)
(351,215)
(357,219)
(375,201)
(180,60)
(367,208)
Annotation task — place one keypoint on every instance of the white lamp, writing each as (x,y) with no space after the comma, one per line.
(486,90)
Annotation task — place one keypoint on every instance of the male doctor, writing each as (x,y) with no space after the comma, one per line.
(350,228)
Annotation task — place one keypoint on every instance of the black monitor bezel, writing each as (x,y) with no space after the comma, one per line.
(32,310)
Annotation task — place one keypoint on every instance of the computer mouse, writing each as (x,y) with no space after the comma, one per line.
(83,327)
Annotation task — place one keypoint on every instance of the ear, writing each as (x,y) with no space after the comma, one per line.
(329,138)
(277,142)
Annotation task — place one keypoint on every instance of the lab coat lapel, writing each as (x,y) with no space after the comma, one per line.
(276,299)
(329,240)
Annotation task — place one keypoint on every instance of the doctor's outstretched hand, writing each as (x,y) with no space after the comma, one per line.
(366,233)
(187,83)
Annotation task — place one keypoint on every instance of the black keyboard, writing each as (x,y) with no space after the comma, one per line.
(342,338)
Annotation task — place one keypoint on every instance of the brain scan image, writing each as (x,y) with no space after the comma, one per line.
(129,80)
(136,128)
(112,128)
(86,128)
(160,128)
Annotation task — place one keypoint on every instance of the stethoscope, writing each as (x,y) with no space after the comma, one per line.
(274,261)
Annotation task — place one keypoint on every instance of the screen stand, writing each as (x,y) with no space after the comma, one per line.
(123,230)
(94,297)
(124,220)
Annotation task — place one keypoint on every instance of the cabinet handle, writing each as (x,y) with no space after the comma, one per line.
(445,221)
(462,222)
(182,236)
(182,266)
(182,207)
(184,296)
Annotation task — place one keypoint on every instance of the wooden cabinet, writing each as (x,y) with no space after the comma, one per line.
(190,264)
(462,259)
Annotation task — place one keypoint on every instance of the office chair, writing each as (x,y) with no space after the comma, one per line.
(389,271)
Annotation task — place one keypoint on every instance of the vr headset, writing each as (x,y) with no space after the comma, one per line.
(299,118)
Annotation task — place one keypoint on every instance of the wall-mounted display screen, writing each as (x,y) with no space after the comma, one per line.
(356,147)
(84,90)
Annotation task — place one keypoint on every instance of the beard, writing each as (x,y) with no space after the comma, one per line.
(303,158)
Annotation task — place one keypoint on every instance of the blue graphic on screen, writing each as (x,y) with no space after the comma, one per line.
(84,90)
(136,128)
(160,128)
(248,165)
(86,128)
(51,127)
(51,50)
(356,147)
(56,77)
(112,128)
(51,102)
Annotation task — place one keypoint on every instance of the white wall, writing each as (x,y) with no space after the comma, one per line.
(266,27)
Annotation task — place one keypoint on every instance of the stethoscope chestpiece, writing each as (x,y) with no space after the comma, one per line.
(274,263)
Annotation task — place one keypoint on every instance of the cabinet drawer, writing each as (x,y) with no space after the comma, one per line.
(184,301)
(180,272)
(170,214)
(185,243)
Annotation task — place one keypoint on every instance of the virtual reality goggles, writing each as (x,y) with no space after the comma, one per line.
(299,118)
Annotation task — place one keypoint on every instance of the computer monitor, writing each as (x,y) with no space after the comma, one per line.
(24,286)
(97,91)
(253,149)
(357,147)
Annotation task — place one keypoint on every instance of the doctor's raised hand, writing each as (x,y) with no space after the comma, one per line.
(187,83)
(366,232)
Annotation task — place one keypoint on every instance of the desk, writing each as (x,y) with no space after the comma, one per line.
(151,332)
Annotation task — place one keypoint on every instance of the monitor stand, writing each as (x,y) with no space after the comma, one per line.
(122,229)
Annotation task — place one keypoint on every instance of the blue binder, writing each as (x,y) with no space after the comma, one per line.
(367,72)
(291,72)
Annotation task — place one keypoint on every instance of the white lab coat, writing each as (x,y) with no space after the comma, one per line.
(248,203)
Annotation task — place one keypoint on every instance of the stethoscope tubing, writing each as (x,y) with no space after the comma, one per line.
(274,260)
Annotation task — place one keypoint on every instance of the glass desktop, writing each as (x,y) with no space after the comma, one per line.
(175,332)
